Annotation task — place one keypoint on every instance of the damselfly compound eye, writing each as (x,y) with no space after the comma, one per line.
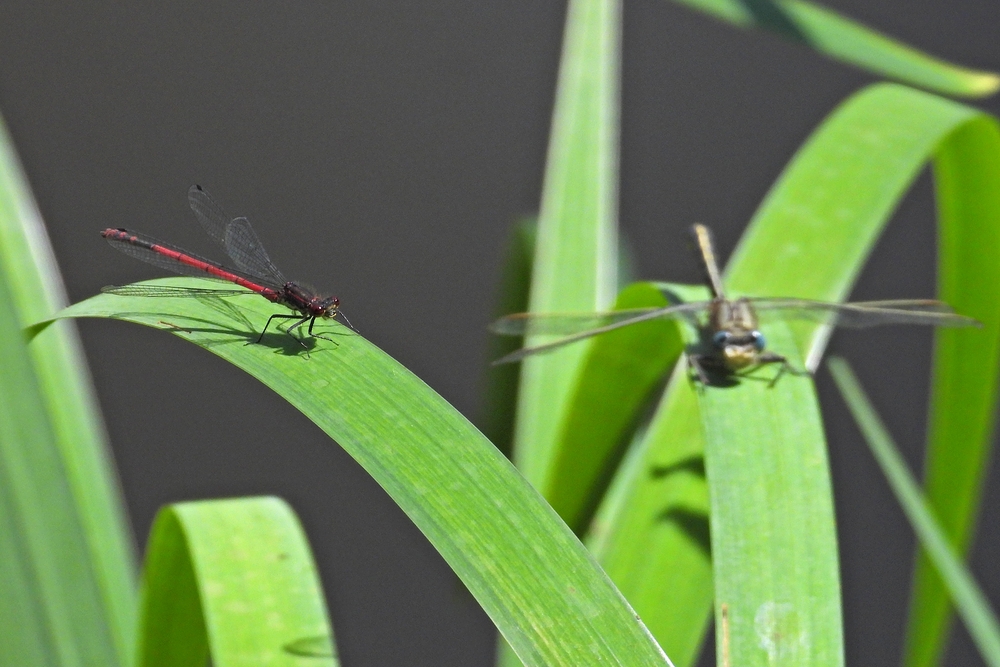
(720,339)
(758,340)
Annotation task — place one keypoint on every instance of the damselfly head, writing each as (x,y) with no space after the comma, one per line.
(737,357)
(738,349)
(330,306)
(723,339)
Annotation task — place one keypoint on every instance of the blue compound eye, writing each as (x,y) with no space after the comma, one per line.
(720,339)
(758,340)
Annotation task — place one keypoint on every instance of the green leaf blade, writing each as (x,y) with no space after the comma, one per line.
(502,381)
(234,581)
(69,532)
(653,540)
(966,168)
(969,599)
(527,569)
(619,371)
(815,228)
(848,41)
(819,222)
(774,542)
(53,596)
(577,246)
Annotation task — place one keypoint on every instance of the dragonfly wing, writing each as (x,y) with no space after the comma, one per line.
(560,324)
(236,237)
(859,314)
(531,324)
(168,291)
(209,214)
(156,259)
(246,250)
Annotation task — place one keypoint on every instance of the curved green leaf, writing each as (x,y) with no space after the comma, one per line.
(652,533)
(67,574)
(840,38)
(550,600)
(970,601)
(961,422)
(619,371)
(577,247)
(50,602)
(810,238)
(774,539)
(500,396)
(232,581)
(816,227)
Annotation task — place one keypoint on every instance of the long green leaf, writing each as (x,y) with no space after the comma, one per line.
(550,600)
(502,382)
(66,536)
(813,232)
(49,606)
(500,396)
(576,250)
(576,246)
(810,238)
(619,372)
(653,539)
(773,536)
(972,605)
(774,541)
(960,430)
(842,39)
(232,581)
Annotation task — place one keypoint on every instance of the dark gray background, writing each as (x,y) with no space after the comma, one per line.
(382,151)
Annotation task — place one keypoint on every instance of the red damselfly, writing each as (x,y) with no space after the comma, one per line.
(730,340)
(254,270)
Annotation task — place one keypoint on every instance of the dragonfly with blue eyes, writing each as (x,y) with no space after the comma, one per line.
(730,340)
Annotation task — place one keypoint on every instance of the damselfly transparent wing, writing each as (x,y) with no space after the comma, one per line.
(580,326)
(249,255)
(168,291)
(859,314)
(158,259)
(236,237)
(209,214)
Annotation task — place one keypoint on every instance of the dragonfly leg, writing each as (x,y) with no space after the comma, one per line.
(786,367)
(319,335)
(695,361)
(781,371)
(277,316)
(296,325)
